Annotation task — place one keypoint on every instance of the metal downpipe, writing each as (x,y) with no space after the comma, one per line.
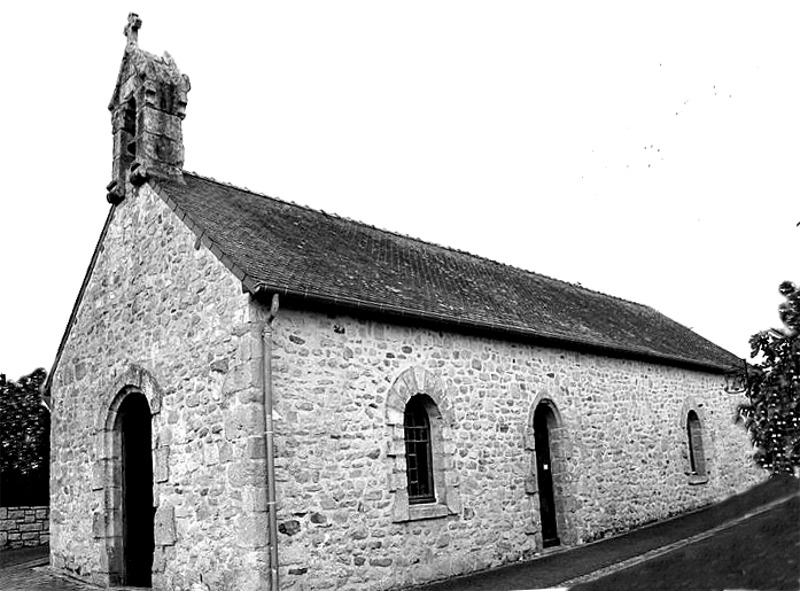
(269,446)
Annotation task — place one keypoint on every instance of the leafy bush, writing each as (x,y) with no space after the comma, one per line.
(772,413)
(24,442)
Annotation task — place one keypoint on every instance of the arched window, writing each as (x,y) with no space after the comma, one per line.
(697,458)
(419,457)
(423,482)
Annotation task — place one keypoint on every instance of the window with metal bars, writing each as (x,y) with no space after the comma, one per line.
(697,458)
(419,461)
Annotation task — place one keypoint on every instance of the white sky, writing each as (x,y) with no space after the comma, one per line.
(649,151)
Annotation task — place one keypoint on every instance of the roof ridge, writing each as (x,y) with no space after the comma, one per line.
(414,238)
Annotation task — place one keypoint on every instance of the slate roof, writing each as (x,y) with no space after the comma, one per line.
(306,254)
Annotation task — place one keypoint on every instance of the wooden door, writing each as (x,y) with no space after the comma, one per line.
(137,491)
(542,419)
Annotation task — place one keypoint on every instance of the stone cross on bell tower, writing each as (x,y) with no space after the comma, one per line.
(147,110)
(132,30)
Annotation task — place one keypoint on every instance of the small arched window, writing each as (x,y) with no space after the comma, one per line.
(697,458)
(419,460)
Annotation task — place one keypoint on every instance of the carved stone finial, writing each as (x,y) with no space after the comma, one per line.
(132,30)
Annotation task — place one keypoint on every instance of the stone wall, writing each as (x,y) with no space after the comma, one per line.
(620,450)
(163,316)
(21,527)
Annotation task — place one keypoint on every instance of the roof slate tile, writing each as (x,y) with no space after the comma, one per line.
(299,250)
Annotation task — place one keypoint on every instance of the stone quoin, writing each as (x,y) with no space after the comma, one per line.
(251,394)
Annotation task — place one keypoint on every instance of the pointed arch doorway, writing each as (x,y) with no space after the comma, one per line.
(544,422)
(135,515)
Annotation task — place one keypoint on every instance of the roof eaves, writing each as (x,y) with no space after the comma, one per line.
(258,288)
(252,285)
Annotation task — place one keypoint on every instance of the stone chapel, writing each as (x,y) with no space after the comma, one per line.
(251,394)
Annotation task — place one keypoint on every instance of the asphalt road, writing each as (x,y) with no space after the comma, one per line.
(761,552)
(577,564)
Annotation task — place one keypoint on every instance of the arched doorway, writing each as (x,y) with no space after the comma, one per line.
(136,480)
(544,422)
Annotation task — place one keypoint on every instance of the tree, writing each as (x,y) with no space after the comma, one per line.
(772,413)
(24,441)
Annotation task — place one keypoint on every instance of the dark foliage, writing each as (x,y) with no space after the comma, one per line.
(772,413)
(24,441)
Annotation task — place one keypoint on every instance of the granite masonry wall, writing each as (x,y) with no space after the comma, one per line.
(620,455)
(21,527)
(161,315)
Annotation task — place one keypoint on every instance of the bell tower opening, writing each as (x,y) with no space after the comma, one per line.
(129,126)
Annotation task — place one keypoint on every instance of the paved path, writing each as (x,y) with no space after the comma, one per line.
(38,579)
(27,570)
(558,569)
(22,555)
